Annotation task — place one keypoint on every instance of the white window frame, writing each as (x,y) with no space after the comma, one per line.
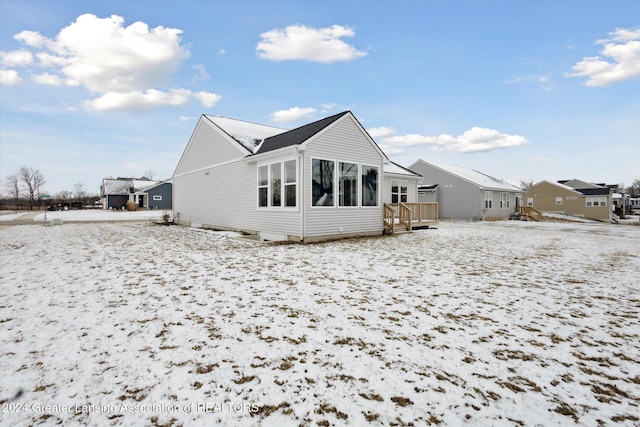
(286,184)
(361,167)
(400,184)
(157,197)
(341,190)
(333,183)
(596,201)
(530,202)
(559,200)
(488,199)
(269,185)
(263,186)
(364,167)
(505,200)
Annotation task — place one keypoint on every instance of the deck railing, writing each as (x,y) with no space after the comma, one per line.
(405,215)
(529,212)
(389,218)
(409,215)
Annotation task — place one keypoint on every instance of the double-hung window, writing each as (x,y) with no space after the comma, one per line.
(290,181)
(488,199)
(263,186)
(505,200)
(558,200)
(399,191)
(273,190)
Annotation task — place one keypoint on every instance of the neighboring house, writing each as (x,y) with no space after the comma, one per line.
(464,193)
(116,192)
(319,181)
(428,193)
(591,203)
(159,195)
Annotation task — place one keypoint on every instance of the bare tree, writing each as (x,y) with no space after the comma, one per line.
(79,192)
(12,184)
(634,188)
(64,195)
(149,174)
(33,179)
(526,184)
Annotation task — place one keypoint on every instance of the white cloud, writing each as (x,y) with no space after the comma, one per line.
(47,79)
(474,140)
(619,59)
(31,38)
(292,114)
(207,99)
(9,77)
(138,100)
(16,58)
(125,67)
(299,42)
(202,73)
(381,132)
(542,81)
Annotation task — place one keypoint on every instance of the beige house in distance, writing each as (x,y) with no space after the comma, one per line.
(591,203)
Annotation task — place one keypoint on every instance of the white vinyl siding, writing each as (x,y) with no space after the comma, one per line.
(207,147)
(225,197)
(343,141)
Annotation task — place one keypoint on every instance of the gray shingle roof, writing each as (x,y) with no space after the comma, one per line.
(297,136)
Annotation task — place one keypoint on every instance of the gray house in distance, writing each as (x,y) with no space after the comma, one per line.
(464,193)
(159,196)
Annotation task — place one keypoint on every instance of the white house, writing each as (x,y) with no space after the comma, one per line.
(464,193)
(319,181)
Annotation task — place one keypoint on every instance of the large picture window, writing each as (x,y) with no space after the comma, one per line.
(322,173)
(348,184)
(369,185)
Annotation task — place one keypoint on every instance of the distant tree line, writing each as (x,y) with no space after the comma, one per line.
(24,190)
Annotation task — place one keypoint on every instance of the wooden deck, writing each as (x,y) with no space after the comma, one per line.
(529,213)
(406,216)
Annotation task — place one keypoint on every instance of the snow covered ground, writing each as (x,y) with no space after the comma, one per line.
(86,215)
(479,324)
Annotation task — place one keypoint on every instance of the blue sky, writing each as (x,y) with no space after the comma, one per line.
(518,90)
